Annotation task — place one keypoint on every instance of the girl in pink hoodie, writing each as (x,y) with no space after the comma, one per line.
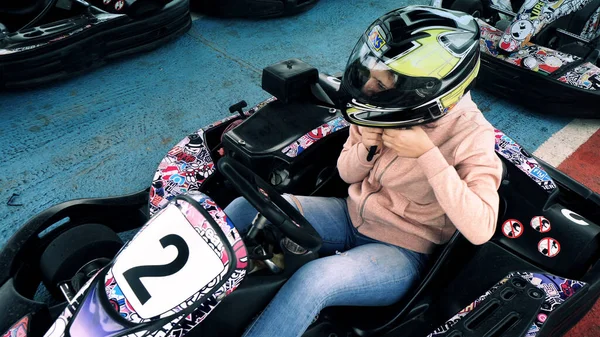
(419,160)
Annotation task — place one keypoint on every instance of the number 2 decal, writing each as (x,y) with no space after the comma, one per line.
(133,276)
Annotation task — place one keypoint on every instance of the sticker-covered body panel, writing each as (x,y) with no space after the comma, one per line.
(532,17)
(301,144)
(19,329)
(187,165)
(531,56)
(585,76)
(557,290)
(509,149)
(591,29)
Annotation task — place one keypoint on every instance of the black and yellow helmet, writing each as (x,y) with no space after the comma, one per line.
(410,67)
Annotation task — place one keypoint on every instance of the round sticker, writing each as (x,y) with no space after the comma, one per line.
(512,228)
(540,224)
(542,318)
(549,247)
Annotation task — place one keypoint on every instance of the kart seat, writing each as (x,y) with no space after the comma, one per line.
(576,48)
(369,321)
(22,7)
(14,14)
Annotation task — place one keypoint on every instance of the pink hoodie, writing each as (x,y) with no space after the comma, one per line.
(419,203)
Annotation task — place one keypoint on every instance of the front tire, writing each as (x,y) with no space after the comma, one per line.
(73,249)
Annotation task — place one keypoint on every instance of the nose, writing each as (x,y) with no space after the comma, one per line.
(370,87)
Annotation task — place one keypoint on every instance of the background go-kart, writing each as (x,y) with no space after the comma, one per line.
(103,133)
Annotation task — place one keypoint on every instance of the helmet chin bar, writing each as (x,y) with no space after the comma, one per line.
(425,113)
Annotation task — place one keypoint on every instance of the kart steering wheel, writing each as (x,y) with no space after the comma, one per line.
(270,203)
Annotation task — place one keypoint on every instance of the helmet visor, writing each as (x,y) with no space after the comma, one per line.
(370,80)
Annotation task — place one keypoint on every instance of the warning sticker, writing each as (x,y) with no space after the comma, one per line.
(512,228)
(549,247)
(540,224)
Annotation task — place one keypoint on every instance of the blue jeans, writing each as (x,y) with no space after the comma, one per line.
(361,272)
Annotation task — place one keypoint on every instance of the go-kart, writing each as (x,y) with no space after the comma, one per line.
(542,54)
(259,9)
(188,271)
(47,40)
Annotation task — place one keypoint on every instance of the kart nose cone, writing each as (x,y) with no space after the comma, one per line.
(92,318)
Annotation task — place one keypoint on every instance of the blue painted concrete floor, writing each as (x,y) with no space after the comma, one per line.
(104,133)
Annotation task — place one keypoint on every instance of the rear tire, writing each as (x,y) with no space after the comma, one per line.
(72,249)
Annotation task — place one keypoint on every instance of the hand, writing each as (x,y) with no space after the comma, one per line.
(371,137)
(410,143)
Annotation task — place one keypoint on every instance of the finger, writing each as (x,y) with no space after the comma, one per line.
(371,138)
(375,131)
(390,132)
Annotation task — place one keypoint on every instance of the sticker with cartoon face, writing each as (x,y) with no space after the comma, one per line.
(521,29)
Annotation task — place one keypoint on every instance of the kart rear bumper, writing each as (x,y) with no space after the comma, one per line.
(540,92)
(27,59)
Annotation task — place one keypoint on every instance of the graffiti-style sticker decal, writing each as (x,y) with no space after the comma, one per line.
(542,318)
(187,165)
(512,151)
(549,247)
(297,147)
(512,229)
(557,290)
(574,217)
(590,30)
(585,76)
(490,36)
(532,17)
(183,169)
(533,57)
(541,224)
(540,174)
(19,329)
